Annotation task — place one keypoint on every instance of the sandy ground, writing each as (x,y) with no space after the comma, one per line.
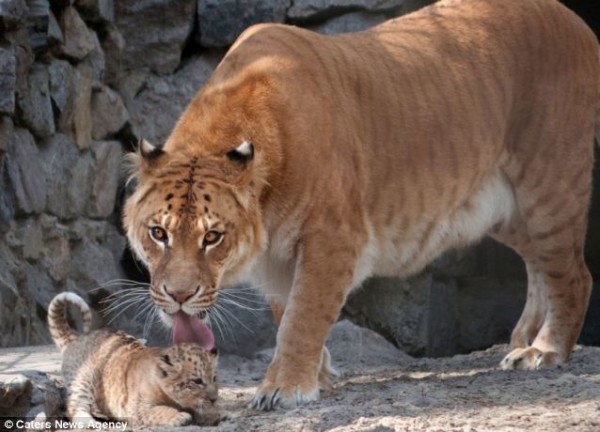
(382,389)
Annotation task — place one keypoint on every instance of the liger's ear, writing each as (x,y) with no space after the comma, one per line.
(149,151)
(214,352)
(243,153)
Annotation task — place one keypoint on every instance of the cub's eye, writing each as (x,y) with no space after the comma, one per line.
(159,234)
(198,381)
(211,238)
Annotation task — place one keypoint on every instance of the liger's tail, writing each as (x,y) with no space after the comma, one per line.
(61,332)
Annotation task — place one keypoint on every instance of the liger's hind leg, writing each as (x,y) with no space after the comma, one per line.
(554,215)
(515,236)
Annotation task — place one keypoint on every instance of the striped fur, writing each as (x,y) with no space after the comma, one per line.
(375,152)
(112,375)
(61,333)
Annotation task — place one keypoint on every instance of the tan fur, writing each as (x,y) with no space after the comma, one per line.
(374,153)
(111,375)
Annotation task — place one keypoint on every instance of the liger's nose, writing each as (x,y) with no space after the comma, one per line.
(180,296)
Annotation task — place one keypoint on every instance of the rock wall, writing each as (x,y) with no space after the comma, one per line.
(82,80)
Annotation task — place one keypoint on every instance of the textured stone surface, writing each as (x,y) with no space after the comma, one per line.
(19,41)
(321,9)
(108,113)
(96,59)
(92,265)
(6,131)
(12,13)
(26,172)
(78,39)
(154,32)
(62,91)
(34,102)
(155,103)
(39,285)
(112,43)
(350,22)
(107,163)
(68,177)
(82,114)
(7,198)
(8,80)
(96,10)
(220,22)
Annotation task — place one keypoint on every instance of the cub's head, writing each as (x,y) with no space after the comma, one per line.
(195,222)
(186,373)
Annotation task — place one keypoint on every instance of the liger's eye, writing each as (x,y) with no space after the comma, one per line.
(198,381)
(211,238)
(159,234)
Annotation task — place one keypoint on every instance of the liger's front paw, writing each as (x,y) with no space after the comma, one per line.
(530,358)
(269,396)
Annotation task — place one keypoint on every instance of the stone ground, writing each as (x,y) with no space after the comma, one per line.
(383,389)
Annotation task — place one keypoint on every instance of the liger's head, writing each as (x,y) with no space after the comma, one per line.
(195,222)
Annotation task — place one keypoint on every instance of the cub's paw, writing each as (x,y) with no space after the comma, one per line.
(179,419)
(530,359)
(269,396)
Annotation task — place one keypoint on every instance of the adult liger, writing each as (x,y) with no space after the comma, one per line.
(308,163)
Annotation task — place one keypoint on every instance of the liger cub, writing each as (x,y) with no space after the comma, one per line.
(111,375)
(308,163)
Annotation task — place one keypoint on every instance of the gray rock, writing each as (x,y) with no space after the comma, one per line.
(6,131)
(97,59)
(350,22)
(13,13)
(7,198)
(62,91)
(39,285)
(396,309)
(8,80)
(15,390)
(19,40)
(112,43)
(107,156)
(37,396)
(56,258)
(349,343)
(26,173)
(108,112)
(220,22)
(71,92)
(93,265)
(304,10)
(82,115)
(34,102)
(242,322)
(67,196)
(97,11)
(154,32)
(31,234)
(78,39)
(155,103)
(55,34)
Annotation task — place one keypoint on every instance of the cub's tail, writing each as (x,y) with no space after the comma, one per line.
(61,332)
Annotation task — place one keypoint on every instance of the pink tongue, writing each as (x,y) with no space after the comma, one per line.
(188,328)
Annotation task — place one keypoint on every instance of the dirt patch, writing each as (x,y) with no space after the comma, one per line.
(383,389)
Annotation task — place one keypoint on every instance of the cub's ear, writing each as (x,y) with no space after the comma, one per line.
(164,363)
(243,153)
(214,352)
(149,151)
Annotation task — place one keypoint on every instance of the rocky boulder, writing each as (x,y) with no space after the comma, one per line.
(154,32)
